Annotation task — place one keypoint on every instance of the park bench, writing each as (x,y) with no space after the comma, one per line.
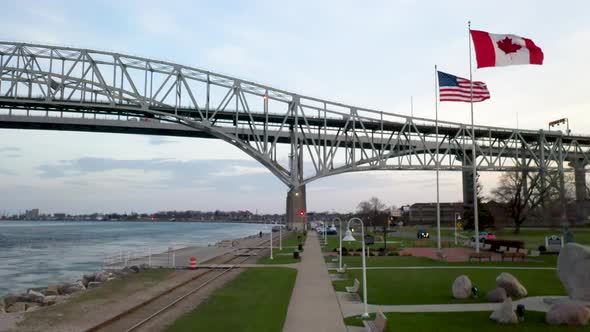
(512,255)
(377,325)
(354,289)
(487,246)
(481,255)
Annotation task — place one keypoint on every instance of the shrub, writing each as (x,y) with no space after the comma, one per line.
(405,254)
(542,248)
(345,252)
(393,253)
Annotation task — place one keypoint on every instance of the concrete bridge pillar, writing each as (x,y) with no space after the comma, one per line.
(581,191)
(296,208)
(467,175)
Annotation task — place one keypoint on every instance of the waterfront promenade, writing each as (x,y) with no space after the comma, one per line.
(314,305)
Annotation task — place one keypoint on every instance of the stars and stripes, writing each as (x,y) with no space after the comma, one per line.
(453,88)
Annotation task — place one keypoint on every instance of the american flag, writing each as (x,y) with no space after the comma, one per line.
(453,88)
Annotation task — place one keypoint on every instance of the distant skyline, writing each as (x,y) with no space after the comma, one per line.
(376,54)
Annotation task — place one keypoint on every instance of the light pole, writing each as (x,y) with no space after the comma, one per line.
(457,218)
(350,238)
(281,237)
(271,242)
(325,233)
(340,242)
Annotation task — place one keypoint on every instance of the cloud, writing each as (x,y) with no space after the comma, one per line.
(9,149)
(240,171)
(159,140)
(6,172)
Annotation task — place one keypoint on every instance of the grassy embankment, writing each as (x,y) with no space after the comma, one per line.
(256,301)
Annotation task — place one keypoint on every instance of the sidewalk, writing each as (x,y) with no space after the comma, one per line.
(314,305)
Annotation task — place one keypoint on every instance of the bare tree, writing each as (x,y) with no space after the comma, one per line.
(521,197)
(375,212)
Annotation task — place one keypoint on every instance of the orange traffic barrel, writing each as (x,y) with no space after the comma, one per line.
(193,264)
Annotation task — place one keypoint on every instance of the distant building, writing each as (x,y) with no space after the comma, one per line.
(32,214)
(425,213)
(59,216)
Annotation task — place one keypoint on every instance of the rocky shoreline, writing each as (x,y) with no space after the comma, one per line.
(36,298)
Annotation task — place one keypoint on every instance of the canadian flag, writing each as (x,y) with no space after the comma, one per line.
(493,50)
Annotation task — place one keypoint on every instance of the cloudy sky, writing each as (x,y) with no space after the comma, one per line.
(375,54)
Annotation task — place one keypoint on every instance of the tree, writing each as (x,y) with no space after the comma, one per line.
(520,196)
(485,217)
(374,212)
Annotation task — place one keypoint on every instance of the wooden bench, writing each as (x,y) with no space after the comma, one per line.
(513,255)
(354,289)
(377,325)
(480,256)
(421,243)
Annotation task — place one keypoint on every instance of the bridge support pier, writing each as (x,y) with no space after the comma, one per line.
(296,208)
(467,173)
(581,189)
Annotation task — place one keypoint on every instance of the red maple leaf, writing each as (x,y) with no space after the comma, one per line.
(507,46)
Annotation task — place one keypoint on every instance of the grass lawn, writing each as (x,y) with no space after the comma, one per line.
(279,259)
(374,261)
(463,321)
(256,301)
(284,256)
(533,238)
(423,286)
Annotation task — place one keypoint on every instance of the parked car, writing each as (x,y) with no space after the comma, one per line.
(484,236)
(423,234)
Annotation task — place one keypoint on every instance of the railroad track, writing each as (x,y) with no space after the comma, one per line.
(140,315)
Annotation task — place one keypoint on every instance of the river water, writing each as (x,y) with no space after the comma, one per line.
(38,253)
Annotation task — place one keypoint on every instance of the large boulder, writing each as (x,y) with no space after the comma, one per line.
(504,313)
(497,294)
(2,306)
(568,313)
(512,286)
(50,300)
(101,276)
(573,268)
(10,299)
(462,287)
(68,289)
(35,296)
(51,290)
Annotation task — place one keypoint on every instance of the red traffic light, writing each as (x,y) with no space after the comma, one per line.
(301,212)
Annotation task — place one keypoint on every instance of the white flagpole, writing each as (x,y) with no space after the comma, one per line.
(437,159)
(473,155)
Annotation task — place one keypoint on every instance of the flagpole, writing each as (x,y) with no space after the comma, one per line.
(437,159)
(473,155)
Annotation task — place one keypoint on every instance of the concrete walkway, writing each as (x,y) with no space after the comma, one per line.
(314,305)
(353,307)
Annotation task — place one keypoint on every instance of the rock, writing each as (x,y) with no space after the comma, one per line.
(134,268)
(573,268)
(568,313)
(36,296)
(17,307)
(144,266)
(51,290)
(2,306)
(9,300)
(50,300)
(497,294)
(504,313)
(86,278)
(462,287)
(512,286)
(94,284)
(72,288)
(101,276)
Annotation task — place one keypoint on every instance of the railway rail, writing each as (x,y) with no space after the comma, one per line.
(140,315)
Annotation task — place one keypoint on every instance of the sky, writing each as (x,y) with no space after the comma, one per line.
(376,54)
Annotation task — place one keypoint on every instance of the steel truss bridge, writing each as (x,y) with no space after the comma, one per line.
(63,88)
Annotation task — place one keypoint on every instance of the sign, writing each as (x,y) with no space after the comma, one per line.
(369,240)
(459,226)
(556,122)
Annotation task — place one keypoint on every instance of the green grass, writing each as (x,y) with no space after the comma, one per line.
(536,237)
(284,256)
(424,286)
(256,301)
(380,261)
(463,322)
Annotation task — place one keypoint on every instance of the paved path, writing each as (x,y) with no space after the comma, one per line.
(353,307)
(464,267)
(314,305)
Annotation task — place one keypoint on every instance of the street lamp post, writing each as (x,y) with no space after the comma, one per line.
(339,242)
(457,218)
(349,237)
(280,237)
(271,242)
